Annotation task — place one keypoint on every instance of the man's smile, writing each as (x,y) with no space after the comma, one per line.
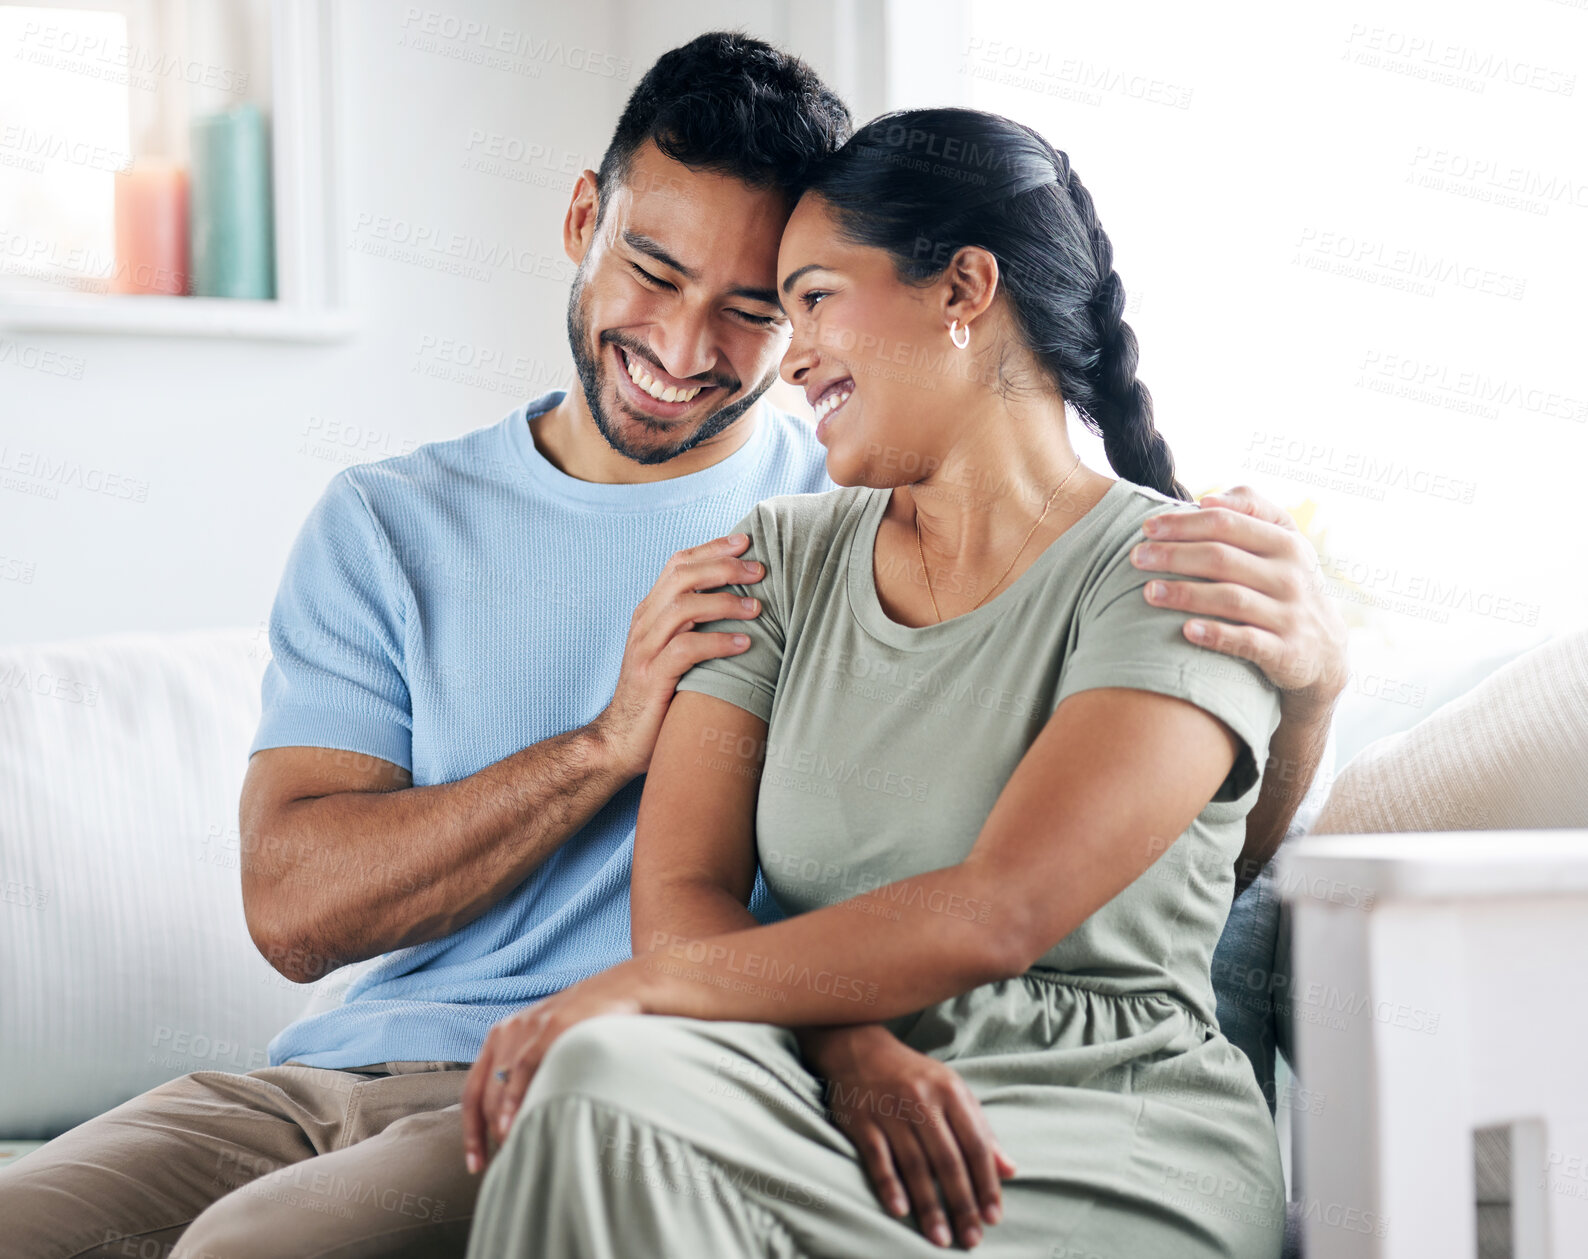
(645,385)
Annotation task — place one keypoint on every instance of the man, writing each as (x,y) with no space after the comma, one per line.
(472,657)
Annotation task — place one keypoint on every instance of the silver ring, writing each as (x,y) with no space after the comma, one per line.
(501,1074)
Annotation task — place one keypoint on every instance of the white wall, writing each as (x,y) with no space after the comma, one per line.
(1352,238)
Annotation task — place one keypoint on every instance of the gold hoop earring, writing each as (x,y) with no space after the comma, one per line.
(953,328)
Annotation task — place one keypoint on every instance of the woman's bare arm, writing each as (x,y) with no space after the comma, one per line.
(1261,576)
(938,1156)
(693,881)
(693,878)
(1134,769)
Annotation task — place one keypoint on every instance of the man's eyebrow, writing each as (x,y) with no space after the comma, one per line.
(649,246)
(788,283)
(652,248)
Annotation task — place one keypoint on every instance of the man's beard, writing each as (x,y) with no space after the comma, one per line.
(592,379)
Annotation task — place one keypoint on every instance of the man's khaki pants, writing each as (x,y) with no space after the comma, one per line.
(284,1161)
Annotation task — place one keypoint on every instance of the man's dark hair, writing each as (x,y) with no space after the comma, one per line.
(729,103)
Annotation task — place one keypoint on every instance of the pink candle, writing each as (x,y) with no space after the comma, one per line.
(151,229)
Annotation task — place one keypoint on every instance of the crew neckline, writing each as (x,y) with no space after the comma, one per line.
(737,469)
(867,606)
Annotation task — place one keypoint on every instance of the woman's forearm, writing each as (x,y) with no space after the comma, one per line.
(699,952)
(891,951)
(676,912)
(685,909)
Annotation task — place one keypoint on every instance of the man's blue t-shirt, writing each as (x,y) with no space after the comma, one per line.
(443,610)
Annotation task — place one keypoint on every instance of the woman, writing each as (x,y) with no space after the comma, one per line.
(999,793)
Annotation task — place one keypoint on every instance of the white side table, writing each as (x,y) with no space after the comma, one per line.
(1440,984)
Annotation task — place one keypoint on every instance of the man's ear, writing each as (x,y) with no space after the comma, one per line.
(578,225)
(970,284)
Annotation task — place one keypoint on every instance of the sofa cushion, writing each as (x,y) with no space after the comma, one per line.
(124,957)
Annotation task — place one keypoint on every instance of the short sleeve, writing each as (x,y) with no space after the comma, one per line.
(748,679)
(1122,640)
(336,677)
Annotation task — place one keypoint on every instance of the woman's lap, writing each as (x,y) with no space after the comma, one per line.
(686,1120)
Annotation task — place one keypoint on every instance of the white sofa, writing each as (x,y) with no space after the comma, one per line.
(124,958)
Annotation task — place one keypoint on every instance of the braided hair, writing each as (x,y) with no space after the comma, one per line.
(922,184)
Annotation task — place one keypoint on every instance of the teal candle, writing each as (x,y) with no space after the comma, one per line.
(231,241)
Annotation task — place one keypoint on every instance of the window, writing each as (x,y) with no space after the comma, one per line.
(165,166)
(1356,273)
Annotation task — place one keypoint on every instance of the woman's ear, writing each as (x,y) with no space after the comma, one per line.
(971,283)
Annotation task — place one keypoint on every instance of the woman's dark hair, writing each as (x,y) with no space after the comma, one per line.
(922,184)
(729,103)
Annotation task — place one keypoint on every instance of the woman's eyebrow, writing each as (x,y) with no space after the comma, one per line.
(788,282)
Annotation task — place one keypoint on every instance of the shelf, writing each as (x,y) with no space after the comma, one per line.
(176,316)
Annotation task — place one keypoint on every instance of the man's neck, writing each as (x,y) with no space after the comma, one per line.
(569,439)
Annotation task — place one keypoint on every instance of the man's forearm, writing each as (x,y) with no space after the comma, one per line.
(1294,753)
(360,873)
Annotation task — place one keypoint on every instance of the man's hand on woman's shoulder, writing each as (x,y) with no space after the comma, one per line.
(1262,573)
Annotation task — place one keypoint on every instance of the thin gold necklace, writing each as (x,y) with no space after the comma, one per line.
(927,572)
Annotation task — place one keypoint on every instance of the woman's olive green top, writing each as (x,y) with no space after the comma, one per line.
(888,745)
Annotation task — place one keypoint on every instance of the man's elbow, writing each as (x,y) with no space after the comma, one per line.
(280,935)
(293,957)
(284,946)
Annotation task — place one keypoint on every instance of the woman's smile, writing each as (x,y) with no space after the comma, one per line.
(829,400)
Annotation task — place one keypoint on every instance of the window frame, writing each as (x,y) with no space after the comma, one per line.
(311,299)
